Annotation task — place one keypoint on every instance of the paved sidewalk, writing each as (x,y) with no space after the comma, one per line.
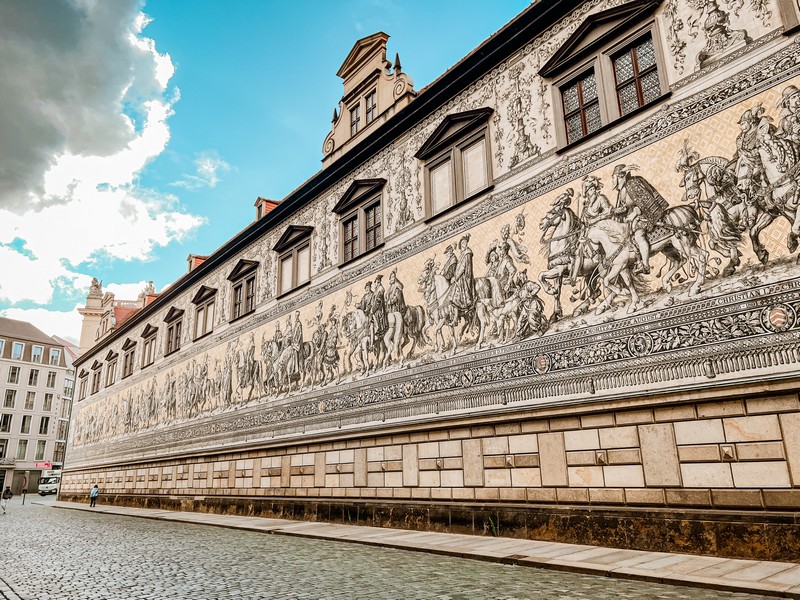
(781,579)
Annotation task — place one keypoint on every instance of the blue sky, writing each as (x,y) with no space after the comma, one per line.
(161,130)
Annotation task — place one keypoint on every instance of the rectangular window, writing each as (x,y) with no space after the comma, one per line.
(44,425)
(350,231)
(10,399)
(3,448)
(441,187)
(82,388)
(25,427)
(36,354)
(51,380)
(111,372)
(61,433)
(5,423)
(371,102)
(17,348)
(33,378)
(355,120)
(58,452)
(303,264)
(173,337)
(474,164)
(30,400)
(41,445)
(636,76)
(95,381)
(13,375)
(287,272)
(244,296)
(204,319)
(22,449)
(2,347)
(149,351)
(69,387)
(55,356)
(581,106)
(48,403)
(127,362)
(372,226)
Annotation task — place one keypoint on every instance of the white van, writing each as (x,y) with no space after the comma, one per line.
(49,482)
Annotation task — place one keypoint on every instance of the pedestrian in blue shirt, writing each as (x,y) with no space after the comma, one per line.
(93,495)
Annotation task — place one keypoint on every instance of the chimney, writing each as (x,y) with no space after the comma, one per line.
(195,260)
(264,207)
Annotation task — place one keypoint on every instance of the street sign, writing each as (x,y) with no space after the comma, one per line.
(44,465)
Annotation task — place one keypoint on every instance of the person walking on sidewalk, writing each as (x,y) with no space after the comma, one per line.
(93,496)
(7,495)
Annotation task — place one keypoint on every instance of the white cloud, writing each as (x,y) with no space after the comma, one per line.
(85,108)
(65,324)
(208,165)
(125,291)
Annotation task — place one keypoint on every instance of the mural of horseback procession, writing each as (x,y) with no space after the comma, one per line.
(605,245)
(606,251)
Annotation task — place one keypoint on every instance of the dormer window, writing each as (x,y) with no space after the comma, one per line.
(294,258)
(174,321)
(361,218)
(456,156)
(243,290)
(149,345)
(609,68)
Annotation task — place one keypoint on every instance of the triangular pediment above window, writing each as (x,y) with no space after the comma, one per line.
(149,330)
(111,355)
(453,128)
(96,365)
(172,314)
(292,235)
(129,343)
(359,190)
(83,373)
(203,294)
(363,51)
(595,31)
(242,268)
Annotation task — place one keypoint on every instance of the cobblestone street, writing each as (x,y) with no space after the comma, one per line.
(49,553)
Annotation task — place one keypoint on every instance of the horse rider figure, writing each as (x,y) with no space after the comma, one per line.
(449,268)
(596,208)
(641,206)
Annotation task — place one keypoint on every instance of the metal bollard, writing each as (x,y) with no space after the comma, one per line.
(23,496)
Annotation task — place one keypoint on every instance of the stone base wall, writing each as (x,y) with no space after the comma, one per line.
(756,535)
(717,476)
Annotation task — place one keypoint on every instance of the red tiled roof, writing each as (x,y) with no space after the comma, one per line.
(123,313)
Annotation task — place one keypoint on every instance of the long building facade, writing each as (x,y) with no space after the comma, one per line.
(553,294)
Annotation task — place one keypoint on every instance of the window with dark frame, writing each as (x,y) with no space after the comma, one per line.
(355,120)
(13,374)
(371,106)
(244,296)
(44,425)
(111,372)
(83,385)
(610,66)
(173,339)
(5,423)
(25,425)
(128,356)
(41,446)
(581,107)
(361,218)
(47,405)
(294,258)
(149,345)
(636,75)
(30,400)
(33,378)
(10,399)
(204,302)
(350,238)
(456,156)
(96,380)
(51,380)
